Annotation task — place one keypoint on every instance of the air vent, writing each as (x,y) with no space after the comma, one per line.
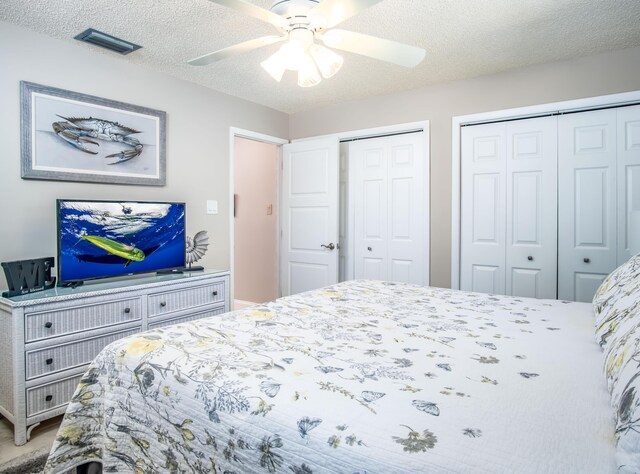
(107,41)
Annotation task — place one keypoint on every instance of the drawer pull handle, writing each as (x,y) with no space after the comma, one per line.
(48,398)
(127,310)
(586,260)
(530,258)
(215,293)
(163,303)
(49,361)
(48,324)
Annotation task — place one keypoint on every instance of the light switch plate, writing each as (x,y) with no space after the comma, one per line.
(212,206)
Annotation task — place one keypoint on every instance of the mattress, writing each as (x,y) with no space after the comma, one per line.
(363,376)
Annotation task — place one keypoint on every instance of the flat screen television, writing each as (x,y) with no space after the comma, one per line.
(100,239)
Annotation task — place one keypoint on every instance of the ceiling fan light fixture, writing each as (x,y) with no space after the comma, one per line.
(292,54)
(308,75)
(328,62)
(274,65)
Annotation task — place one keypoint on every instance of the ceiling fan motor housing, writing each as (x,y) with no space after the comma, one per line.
(294,10)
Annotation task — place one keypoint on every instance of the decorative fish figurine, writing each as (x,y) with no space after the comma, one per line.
(427,407)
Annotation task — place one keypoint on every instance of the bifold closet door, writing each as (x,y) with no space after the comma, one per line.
(509,208)
(587,202)
(628,154)
(390,221)
(483,213)
(532,235)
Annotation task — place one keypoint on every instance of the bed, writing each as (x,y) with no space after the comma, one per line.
(362,376)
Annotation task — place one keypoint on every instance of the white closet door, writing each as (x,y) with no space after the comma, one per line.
(628,179)
(406,203)
(531,259)
(309,216)
(483,223)
(389,203)
(370,232)
(587,202)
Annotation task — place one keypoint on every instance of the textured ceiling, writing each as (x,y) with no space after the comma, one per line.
(463,39)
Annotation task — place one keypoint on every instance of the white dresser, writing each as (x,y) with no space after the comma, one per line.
(47,339)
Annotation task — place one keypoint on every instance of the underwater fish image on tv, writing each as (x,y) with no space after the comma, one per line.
(100,239)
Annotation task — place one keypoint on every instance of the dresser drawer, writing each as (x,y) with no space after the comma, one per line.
(73,354)
(184,319)
(52,395)
(170,301)
(42,325)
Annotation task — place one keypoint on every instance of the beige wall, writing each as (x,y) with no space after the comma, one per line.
(608,73)
(255,243)
(198,121)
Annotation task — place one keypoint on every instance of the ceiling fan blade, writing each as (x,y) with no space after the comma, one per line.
(328,13)
(374,47)
(235,50)
(252,10)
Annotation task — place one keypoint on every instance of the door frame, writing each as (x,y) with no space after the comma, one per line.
(532,111)
(234,133)
(422,126)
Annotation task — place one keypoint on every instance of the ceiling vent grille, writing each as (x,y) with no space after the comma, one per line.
(107,41)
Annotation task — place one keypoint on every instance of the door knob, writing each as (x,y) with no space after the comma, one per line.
(331,246)
(369,249)
(530,258)
(586,260)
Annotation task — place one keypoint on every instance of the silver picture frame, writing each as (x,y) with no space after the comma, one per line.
(69,136)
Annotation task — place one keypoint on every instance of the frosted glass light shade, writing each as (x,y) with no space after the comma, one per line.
(308,75)
(293,53)
(274,65)
(328,62)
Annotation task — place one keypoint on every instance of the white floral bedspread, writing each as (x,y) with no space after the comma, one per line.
(361,377)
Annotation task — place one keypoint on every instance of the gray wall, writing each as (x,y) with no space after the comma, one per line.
(607,73)
(198,121)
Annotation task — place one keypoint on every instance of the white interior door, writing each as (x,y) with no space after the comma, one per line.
(483,208)
(309,216)
(587,202)
(628,119)
(531,160)
(390,202)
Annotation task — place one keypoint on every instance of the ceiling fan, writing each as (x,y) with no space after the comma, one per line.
(301,23)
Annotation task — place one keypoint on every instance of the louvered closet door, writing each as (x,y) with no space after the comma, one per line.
(531,221)
(483,216)
(628,121)
(586,202)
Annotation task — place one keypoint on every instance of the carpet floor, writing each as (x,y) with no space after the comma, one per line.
(30,463)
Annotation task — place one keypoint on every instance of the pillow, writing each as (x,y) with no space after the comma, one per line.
(623,378)
(617,300)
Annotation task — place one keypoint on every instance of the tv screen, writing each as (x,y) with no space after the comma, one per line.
(99,239)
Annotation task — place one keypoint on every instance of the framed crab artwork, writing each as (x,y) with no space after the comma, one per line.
(70,136)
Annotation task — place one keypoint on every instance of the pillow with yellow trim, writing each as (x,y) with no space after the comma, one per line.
(622,368)
(617,300)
